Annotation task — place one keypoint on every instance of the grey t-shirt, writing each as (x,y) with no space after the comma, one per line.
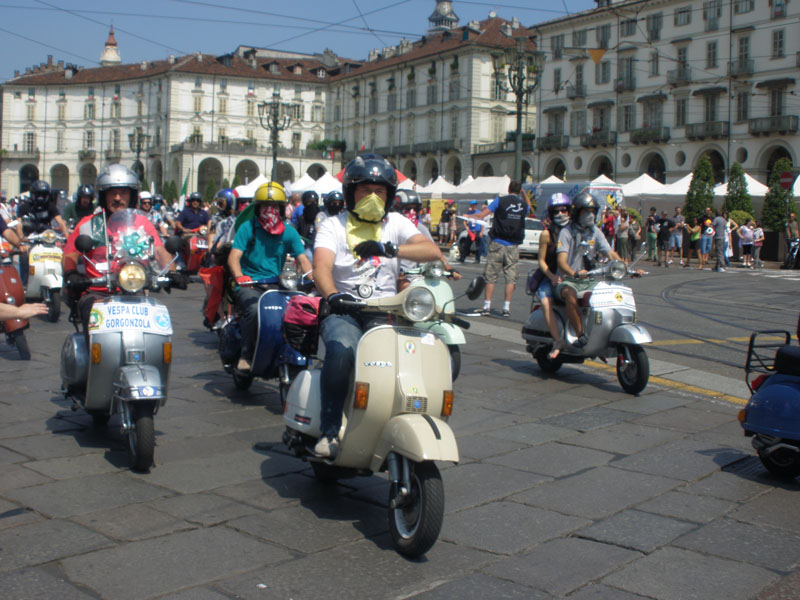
(569,240)
(719,224)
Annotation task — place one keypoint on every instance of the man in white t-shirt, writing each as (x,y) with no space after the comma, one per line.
(357,254)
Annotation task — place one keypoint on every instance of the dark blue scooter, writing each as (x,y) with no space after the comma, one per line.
(273,358)
(772,416)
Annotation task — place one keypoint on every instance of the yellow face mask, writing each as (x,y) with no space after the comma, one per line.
(367,226)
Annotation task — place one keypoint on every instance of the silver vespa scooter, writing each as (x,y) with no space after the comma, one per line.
(610,321)
(124,368)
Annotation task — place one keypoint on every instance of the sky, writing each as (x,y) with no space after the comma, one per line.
(76,30)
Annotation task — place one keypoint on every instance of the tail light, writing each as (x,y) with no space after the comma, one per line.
(756,383)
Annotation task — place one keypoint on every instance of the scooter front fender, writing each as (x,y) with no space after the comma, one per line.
(140,382)
(51,282)
(418,437)
(450,333)
(630,333)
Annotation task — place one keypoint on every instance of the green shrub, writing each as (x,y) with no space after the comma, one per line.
(740,216)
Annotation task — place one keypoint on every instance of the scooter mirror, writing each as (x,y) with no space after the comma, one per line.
(475,288)
(173,244)
(84,244)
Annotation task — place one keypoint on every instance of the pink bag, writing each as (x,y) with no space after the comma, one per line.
(301,323)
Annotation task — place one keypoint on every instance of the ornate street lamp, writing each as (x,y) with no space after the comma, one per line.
(138,141)
(523,67)
(274,118)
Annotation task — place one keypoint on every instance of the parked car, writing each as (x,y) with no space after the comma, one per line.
(533,229)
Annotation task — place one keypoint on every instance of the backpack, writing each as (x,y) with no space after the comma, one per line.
(301,323)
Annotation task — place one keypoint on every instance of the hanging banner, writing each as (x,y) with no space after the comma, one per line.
(597,54)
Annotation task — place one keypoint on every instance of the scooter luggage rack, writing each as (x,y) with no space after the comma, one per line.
(758,359)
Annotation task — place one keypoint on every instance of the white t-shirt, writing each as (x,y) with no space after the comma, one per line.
(379,272)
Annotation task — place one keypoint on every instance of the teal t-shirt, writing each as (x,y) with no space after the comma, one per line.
(268,252)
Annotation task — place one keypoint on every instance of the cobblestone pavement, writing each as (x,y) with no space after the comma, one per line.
(567,488)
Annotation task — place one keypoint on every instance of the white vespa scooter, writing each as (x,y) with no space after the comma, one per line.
(44,278)
(394,416)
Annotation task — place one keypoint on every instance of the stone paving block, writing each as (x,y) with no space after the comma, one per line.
(598,493)
(197,593)
(238,419)
(480,586)
(477,483)
(687,419)
(689,507)
(769,547)
(498,527)
(17,476)
(179,427)
(685,459)
(530,433)
(42,542)
(603,592)
(275,492)
(787,588)
(9,456)
(563,565)
(588,419)
(85,494)
(565,402)
(481,420)
(36,426)
(728,486)
(623,438)
(553,459)
(651,403)
(13,515)
(636,530)
(177,449)
(32,584)
(366,569)
(481,446)
(132,522)
(78,466)
(215,552)
(778,508)
(59,445)
(318,524)
(676,574)
(203,509)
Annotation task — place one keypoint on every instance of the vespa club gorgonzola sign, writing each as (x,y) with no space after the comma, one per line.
(124,316)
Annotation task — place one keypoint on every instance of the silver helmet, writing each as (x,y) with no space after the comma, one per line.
(117,176)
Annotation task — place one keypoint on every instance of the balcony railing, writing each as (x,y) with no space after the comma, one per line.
(766,125)
(712,129)
(599,138)
(87,154)
(577,90)
(648,135)
(679,76)
(22,154)
(625,84)
(502,147)
(742,66)
(553,142)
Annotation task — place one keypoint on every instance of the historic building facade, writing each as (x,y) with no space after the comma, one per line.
(639,86)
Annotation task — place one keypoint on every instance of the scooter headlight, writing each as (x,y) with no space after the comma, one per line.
(617,269)
(132,277)
(435,270)
(419,304)
(288,279)
(49,237)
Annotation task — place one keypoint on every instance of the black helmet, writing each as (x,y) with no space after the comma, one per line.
(369,168)
(40,189)
(581,201)
(158,200)
(117,176)
(407,199)
(334,202)
(195,196)
(310,197)
(85,190)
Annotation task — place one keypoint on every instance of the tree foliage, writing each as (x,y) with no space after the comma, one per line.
(737,198)
(225,183)
(210,191)
(701,189)
(236,182)
(775,202)
(170,192)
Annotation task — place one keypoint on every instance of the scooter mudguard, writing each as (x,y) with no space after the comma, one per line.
(52,282)
(775,408)
(417,437)
(140,382)
(303,403)
(269,339)
(449,333)
(292,357)
(630,333)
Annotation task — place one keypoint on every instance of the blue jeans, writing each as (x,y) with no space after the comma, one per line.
(705,244)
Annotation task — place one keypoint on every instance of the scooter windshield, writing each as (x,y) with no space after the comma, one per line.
(127,235)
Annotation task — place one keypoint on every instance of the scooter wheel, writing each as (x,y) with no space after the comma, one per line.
(54,307)
(633,376)
(455,360)
(782,463)
(242,382)
(142,440)
(549,365)
(415,525)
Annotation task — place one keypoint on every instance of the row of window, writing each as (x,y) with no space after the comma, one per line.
(435,130)
(372,103)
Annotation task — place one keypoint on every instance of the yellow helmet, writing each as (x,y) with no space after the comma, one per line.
(270,192)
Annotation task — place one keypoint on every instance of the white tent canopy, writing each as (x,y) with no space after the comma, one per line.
(249,190)
(406,184)
(679,188)
(485,185)
(754,187)
(642,185)
(326,184)
(796,188)
(553,179)
(603,180)
(438,187)
(304,183)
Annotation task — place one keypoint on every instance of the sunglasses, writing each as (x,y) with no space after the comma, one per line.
(145,203)
(563,209)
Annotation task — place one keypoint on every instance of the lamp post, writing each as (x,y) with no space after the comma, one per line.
(522,67)
(274,119)
(138,141)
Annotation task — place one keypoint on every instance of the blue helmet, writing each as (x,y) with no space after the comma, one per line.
(557,201)
(228,196)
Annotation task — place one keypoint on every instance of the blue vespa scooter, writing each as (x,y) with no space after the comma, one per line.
(273,358)
(772,416)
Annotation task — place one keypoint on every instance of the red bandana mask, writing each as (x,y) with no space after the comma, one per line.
(411,215)
(270,220)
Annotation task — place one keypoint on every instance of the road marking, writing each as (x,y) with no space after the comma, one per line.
(680,342)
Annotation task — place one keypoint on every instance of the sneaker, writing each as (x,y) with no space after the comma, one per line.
(327,447)
(506,313)
(669,262)
(484,312)
(581,341)
(682,264)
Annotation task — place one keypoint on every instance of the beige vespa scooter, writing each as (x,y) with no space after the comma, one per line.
(394,416)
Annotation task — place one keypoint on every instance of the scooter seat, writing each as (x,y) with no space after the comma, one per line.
(787,360)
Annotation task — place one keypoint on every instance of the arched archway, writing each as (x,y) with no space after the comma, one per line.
(717,166)
(247,171)
(453,170)
(316,171)
(431,170)
(88,174)
(157,176)
(284,172)
(556,167)
(208,170)
(601,165)
(410,170)
(485,170)
(653,164)
(27,175)
(59,177)
(774,156)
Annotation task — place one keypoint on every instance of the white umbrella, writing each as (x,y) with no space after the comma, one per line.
(679,188)
(642,185)
(754,187)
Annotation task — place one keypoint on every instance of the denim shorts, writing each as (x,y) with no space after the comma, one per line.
(545,289)
(705,244)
